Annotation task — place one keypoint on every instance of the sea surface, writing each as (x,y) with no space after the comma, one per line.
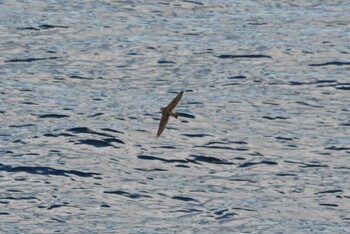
(262,144)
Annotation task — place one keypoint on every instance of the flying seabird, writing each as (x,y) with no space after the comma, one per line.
(167,111)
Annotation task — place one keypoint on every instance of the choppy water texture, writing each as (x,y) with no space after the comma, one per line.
(263,140)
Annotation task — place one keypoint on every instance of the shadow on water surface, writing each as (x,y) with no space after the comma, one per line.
(46,171)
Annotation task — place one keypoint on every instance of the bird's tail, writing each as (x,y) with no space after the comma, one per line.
(174,115)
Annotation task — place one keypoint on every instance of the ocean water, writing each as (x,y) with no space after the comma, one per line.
(262,144)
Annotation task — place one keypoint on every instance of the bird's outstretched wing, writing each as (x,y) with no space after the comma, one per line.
(163,122)
(174,102)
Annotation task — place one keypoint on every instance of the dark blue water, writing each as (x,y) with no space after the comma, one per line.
(262,144)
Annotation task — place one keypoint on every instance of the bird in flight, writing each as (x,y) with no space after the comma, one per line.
(167,111)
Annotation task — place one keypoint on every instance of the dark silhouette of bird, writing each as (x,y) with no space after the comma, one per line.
(167,112)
